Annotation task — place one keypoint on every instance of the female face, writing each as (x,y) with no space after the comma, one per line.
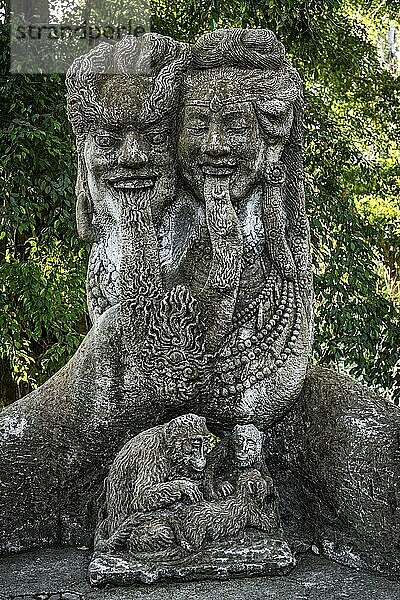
(225,141)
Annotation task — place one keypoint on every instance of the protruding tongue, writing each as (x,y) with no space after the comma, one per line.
(220,291)
(220,215)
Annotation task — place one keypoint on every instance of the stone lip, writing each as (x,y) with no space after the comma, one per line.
(225,561)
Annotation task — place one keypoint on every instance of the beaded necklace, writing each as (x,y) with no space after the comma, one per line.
(284,324)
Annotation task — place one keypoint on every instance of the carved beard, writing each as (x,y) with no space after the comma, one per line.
(103,289)
(102,283)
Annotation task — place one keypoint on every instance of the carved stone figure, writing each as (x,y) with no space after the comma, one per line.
(237,452)
(240,153)
(228,245)
(122,106)
(156,468)
(57,443)
(192,527)
(154,514)
(190,191)
(224,519)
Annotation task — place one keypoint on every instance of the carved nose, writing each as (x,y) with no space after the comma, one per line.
(215,144)
(131,154)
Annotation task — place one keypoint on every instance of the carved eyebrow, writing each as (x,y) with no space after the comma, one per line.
(101,129)
(198,113)
(234,115)
(109,125)
(160,128)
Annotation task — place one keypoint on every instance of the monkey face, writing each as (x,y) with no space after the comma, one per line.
(247,445)
(188,456)
(194,452)
(189,440)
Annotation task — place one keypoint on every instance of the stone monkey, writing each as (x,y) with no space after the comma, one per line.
(153,470)
(233,456)
(222,519)
(189,528)
(238,451)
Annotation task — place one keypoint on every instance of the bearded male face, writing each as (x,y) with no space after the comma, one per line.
(124,152)
(122,106)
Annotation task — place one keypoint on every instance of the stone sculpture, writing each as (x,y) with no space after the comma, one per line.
(190,191)
(156,520)
(221,233)
(154,469)
(235,454)
(53,468)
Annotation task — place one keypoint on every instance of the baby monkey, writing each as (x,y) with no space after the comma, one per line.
(237,453)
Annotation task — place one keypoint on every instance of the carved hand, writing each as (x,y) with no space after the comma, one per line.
(225,489)
(190,489)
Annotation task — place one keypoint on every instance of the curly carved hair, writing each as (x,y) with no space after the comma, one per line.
(148,69)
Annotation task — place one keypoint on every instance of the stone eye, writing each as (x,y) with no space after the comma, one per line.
(196,444)
(158,137)
(106,140)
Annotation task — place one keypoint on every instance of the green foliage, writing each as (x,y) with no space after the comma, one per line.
(352,179)
(42,262)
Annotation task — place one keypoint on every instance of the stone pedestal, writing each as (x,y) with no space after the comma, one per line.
(225,561)
(61,574)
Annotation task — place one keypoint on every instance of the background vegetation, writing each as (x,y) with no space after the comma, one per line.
(351,77)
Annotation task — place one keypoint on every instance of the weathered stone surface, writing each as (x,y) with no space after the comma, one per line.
(314,578)
(190,191)
(56,444)
(335,458)
(221,561)
(174,510)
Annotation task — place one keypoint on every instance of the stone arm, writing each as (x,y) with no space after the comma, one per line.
(124,500)
(215,459)
(221,288)
(164,494)
(268,519)
(261,466)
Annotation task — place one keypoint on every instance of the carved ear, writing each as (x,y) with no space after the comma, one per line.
(84,208)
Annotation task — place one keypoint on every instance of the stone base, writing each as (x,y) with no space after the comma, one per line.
(263,557)
(60,574)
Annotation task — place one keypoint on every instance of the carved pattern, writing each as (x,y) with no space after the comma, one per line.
(174,347)
(144,514)
(205,248)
